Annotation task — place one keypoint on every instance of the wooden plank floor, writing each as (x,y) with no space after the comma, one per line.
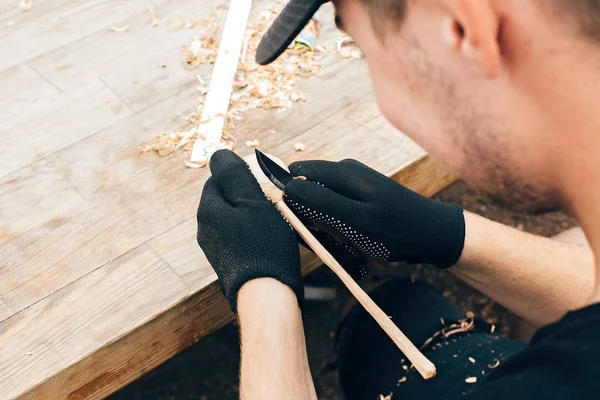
(100,275)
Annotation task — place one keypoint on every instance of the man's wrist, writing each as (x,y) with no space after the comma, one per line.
(265,296)
(472,244)
(482,239)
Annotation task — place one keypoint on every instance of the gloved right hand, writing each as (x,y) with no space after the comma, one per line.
(374,214)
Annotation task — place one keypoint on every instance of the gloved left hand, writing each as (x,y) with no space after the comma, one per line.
(242,234)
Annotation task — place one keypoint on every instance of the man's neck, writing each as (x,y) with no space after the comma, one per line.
(576,163)
(581,191)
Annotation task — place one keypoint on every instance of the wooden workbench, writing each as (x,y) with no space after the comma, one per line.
(101,278)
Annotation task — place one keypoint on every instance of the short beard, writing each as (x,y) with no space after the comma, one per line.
(497,177)
(488,167)
(524,198)
(486,160)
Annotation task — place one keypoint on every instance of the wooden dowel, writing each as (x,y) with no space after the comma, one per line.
(425,367)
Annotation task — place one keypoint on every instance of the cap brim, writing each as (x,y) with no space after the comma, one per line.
(293,18)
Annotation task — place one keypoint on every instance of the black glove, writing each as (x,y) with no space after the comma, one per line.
(241,233)
(376,215)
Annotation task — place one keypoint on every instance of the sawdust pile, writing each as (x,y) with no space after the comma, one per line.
(271,87)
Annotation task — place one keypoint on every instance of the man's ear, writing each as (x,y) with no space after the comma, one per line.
(473,29)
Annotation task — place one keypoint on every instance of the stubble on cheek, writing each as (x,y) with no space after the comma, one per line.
(469,138)
(490,167)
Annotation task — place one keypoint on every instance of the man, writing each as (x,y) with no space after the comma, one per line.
(505,93)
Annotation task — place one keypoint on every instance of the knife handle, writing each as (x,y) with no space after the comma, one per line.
(425,367)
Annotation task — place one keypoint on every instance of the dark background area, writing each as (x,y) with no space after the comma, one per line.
(209,369)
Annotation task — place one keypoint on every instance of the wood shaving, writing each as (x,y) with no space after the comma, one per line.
(197,21)
(463,325)
(271,87)
(190,164)
(202,50)
(388,397)
(494,364)
(493,329)
(471,379)
(29,354)
(471,359)
(153,20)
(163,65)
(253,143)
(179,24)
(401,380)
(123,28)
(26,5)
(348,48)
(297,97)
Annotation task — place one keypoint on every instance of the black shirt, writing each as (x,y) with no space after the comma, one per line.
(562,361)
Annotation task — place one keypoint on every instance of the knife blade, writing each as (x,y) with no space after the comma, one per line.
(276,174)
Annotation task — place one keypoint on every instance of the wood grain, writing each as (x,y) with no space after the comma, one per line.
(95,233)
(179,248)
(38,194)
(138,285)
(47,123)
(5,311)
(420,173)
(21,86)
(130,62)
(112,155)
(56,23)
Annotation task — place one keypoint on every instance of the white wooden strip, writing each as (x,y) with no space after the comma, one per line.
(221,83)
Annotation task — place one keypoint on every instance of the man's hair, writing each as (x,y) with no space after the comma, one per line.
(385,12)
(584,15)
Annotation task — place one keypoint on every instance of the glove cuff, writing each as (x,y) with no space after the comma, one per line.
(450,237)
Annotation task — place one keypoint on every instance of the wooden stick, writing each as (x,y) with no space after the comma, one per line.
(221,83)
(425,367)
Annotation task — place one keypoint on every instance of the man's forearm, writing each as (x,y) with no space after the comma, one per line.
(537,278)
(274,358)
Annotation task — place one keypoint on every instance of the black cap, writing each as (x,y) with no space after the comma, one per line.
(285,28)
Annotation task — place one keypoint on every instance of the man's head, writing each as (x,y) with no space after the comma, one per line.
(491,88)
